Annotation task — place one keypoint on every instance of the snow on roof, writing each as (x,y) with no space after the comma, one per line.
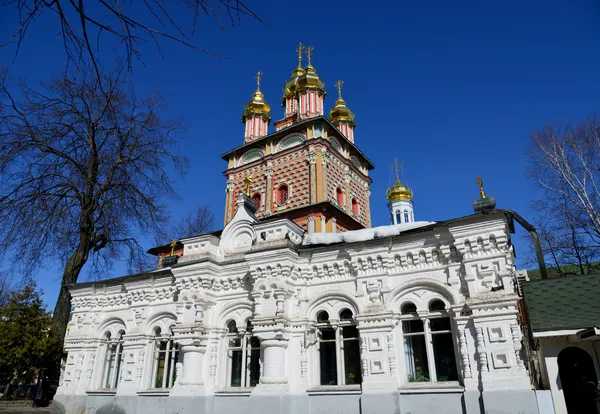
(362,235)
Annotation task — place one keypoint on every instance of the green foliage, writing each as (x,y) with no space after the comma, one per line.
(417,378)
(351,379)
(27,341)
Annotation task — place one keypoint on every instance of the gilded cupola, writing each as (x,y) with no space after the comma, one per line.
(399,191)
(256,114)
(257,105)
(340,112)
(310,79)
(290,87)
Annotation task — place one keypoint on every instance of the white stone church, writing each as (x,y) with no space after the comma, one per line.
(298,305)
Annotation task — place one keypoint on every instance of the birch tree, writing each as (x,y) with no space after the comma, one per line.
(564,164)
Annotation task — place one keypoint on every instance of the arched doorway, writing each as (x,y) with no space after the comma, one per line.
(579,381)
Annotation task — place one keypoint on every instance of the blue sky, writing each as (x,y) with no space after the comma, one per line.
(453,89)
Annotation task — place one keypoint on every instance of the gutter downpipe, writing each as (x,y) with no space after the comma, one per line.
(510,214)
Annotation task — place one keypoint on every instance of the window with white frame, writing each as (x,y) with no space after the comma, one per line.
(243,355)
(338,350)
(406,219)
(398,218)
(166,354)
(428,344)
(112,360)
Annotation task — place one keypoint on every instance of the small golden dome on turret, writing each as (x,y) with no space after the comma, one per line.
(258,105)
(399,191)
(310,79)
(289,89)
(340,112)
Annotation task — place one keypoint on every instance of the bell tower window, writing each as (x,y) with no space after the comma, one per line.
(339,196)
(398,217)
(406,218)
(355,209)
(282,194)
(256,198)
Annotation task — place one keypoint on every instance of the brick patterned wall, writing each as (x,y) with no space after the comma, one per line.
(293,170)
(335,179)
(357,190)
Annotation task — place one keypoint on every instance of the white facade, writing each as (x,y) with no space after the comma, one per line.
(453,280)
(401,211)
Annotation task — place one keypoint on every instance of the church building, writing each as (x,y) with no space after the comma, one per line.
(299,305)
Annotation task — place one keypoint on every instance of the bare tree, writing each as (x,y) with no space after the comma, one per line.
(194,224)
(564,164)
(129,24)
(83,170)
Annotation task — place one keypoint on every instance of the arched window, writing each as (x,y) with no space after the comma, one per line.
(165,359)
(282,194)
(426,337)
(112,361)
(256,199)
(339,196)
(406,217)
(355,209)
(398,217)
(338,347)
(243,356)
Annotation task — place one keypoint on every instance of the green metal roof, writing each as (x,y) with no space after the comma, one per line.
(571,302)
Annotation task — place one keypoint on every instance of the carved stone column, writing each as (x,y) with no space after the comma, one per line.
(269,192)
(274,339)
(229,200)
(325,159)
(312,161)
(193,344)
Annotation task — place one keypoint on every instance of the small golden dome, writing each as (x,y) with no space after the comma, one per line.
(341,112)
(399,191)
(258,105)
(291,84)
(310,79)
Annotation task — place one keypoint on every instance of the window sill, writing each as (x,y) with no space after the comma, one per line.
(102,392)
(335,389)
(234,391)
(430,388)
(157,392)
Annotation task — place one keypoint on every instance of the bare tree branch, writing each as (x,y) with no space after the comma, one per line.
(127,23)
(83,170)
(564,163)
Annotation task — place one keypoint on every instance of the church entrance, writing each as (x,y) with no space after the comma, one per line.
(579,381)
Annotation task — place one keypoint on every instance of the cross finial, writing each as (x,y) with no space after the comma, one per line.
(247,184)
(173,244)
(339,85)
(258,76)
(395,165)
(309,50)
(299,51)
(481,191)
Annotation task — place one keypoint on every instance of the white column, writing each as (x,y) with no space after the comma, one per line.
(274,361)
(192,365)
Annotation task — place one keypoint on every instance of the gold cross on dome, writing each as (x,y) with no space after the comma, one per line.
(339,85)
(247,184)
(309,50)
(395,165)
(481,191)
(258,76)
(299,51)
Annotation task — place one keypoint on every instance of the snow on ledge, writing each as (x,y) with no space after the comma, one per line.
(362,235)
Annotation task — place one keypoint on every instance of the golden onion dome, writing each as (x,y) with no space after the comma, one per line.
(399,191)
(290,87)
(341,112)
(257,105)
(310,79)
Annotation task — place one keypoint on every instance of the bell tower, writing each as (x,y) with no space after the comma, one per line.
(308,170)
(400,200)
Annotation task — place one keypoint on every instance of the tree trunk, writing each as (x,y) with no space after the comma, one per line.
(60,318)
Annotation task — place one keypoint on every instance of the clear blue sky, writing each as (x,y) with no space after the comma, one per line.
(451,88)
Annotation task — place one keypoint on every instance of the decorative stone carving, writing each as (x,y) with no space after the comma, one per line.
(464,353)
(391,354)
(481,350)
(516,337)
(363,356)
